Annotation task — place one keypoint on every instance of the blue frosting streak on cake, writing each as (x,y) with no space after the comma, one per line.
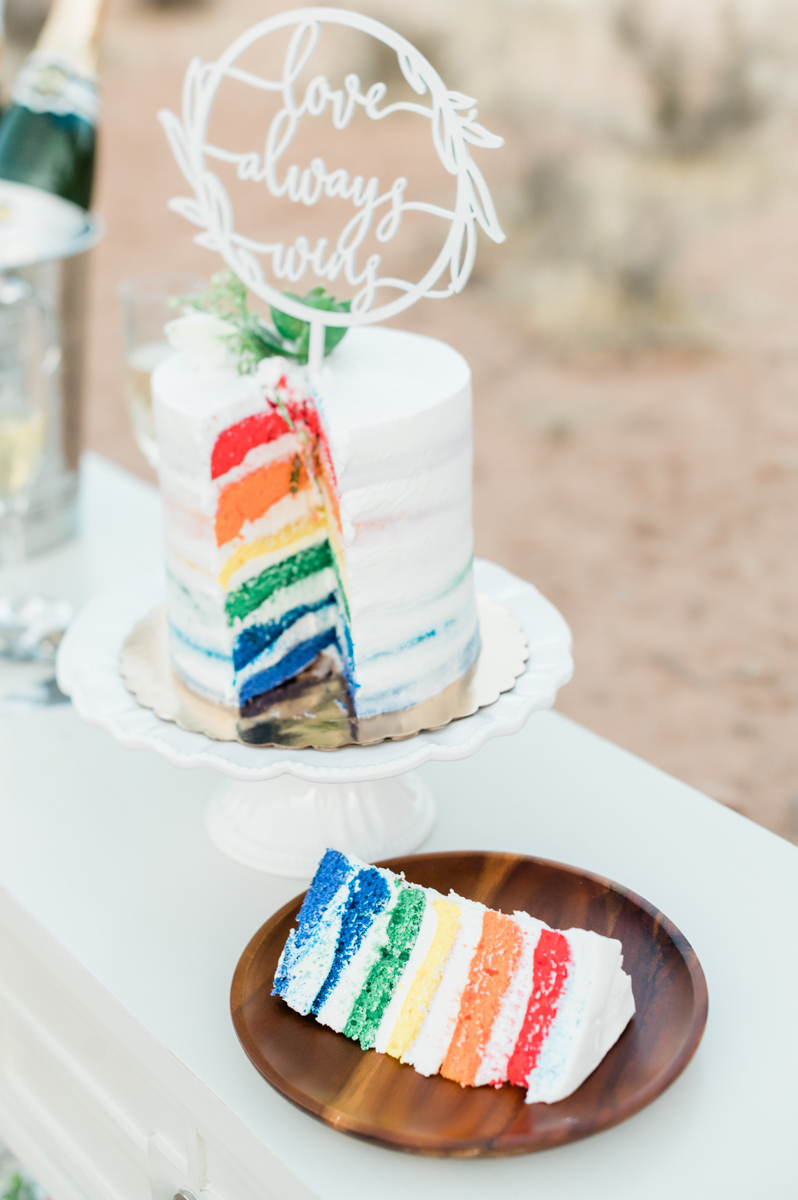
(368,896)
(333,871)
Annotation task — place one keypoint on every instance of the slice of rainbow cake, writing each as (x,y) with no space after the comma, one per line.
(452,987)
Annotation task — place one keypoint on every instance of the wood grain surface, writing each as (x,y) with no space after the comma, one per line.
(372,1096)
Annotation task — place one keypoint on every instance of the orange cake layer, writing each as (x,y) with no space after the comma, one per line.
(492,968)
(249,498)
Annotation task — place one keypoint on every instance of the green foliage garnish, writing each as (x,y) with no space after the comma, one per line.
(298,332)
(19,1188)
(252,339)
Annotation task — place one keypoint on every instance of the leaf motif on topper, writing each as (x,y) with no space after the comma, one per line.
(453,125)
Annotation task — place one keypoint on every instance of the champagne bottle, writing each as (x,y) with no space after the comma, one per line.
(47,133)
(2,27)
(2,40)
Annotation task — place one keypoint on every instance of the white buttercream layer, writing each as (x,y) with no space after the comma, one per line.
(429,1049)
(310,964)
(512,1010)
(429,927)
(337,1007)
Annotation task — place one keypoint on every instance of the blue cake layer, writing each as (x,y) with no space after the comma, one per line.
(333,870)
(291,664)
(368,896)
(254,640)
(319,918)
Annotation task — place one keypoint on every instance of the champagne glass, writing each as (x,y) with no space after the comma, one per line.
(30,625)
(145,311)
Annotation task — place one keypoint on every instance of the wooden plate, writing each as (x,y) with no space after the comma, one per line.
(372,1096)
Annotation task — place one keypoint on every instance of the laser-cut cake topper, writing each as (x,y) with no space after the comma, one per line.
(453,124)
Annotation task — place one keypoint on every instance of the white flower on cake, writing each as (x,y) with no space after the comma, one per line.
(204,340)
(270,371)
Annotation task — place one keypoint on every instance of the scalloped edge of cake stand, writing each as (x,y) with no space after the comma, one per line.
(88,671)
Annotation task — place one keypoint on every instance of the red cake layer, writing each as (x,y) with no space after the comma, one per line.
(234,443)
(552,955)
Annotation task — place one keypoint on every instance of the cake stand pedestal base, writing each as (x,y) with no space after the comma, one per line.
(284,825)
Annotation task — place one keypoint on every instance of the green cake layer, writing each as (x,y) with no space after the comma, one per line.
(254,592)
(376,993)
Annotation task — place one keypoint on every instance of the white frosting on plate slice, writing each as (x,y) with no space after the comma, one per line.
(594,1009)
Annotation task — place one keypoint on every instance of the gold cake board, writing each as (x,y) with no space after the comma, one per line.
(314,710)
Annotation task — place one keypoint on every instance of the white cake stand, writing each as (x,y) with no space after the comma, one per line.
(284,807)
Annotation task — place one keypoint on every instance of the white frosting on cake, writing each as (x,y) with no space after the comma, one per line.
(396,410)
(595,1008)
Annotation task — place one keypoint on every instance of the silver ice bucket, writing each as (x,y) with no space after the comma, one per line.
(45,240)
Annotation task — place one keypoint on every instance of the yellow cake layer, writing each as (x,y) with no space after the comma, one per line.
(428,976)
(286,537)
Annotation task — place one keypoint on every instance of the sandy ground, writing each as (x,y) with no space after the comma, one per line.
(654,500)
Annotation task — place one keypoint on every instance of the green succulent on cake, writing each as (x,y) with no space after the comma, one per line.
(251,338)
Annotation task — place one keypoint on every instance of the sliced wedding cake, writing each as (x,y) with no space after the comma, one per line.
(326,518)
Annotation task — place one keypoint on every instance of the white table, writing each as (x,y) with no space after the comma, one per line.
(120,1074)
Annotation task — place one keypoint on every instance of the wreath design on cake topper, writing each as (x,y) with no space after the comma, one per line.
(454,128)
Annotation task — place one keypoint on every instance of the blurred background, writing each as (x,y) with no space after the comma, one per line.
(634,342)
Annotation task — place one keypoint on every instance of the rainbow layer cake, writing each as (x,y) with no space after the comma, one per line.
(450,986)
(326,519)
